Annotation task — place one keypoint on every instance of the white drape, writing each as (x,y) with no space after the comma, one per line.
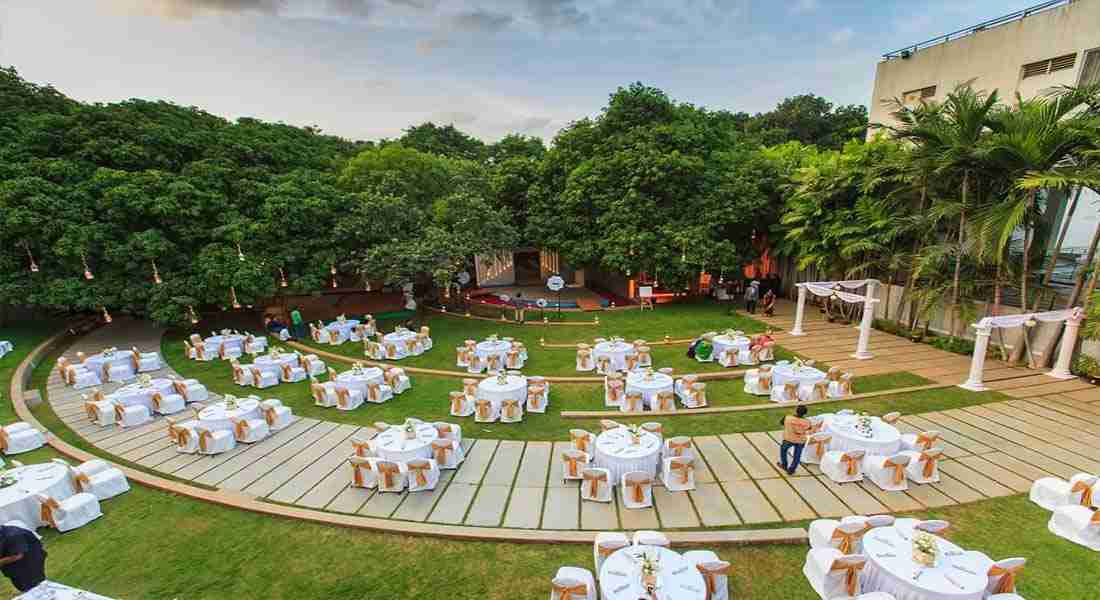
(1018,320)
(849,283)
(819,290)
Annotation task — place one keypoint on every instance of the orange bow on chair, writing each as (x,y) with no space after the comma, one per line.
(357,474)
(509,407)
(570,592)
(419,468)
(181,389)
(343,397)
(391,351)
(580,441)
(183,437)
(240,429)
(469,387)
(374,392)
(388,470)
(790,391)
(135,359)
(851,578)
(361,448)
(492,362)
(571,461)
(765,382)
(685,468)
(711,572)
(458,400)
(925,441)
(608,547)
(106,374)
(929,461)
(46,512)
(286,372)
(534,395)
(484,408)
(677,448)
(410,345)
(440,450)
(637,488)
(821,390)
(634,402)
(1007,583)
(847,541)
(3,440)
(614,390)
(1085,490)
(157,399)
(852,462)
(819,445)
(204,438)
(90,410)
(513,359)
(899,471)
(603,363)
(119,414)
(594,479)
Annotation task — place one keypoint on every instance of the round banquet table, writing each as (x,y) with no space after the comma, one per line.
(18,502)
(361,380)
(498,348)
(274,364)
(49,590)
(5,347)
(957,575)
(724,342)
(217,416)
(121,358)
(514,387)
(620,576)
(392,444)
(344,327)
(805,376)
(616,453)
(231,341)
(616,351)
(648,388)
(134,393)
(885,441)
(399,338)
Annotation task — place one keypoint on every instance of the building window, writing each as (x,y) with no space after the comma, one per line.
(912,97)
(1050,65)
(1090,70)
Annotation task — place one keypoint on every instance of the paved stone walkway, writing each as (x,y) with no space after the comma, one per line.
(1050,427)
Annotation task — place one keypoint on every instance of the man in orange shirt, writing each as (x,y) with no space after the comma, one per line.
(795,429)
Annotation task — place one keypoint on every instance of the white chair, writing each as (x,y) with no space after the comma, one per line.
(97,477)
(263,379)
(573,462)
(637,490)
(728,358)
(391,477)
(697,398)
(131,416)
(633,402)
(398,381)
(119,373)
(477,365)
(843,467)
(191,390)
(101,412)
(147,361)
(664,401)
(203,351)
(841,387)
(292,374)
(656,429)
(596,486)
(81,378)
(241,376)
(678,474)
(924,466)
(758,382)
(447,453)
(462,357)
(584,358)
(538,398)
(582,440)
(324,395)
(817,444)
(373,350)
(168,404)
(891,417)
(20,437)
(255,345)
(278,417)
(378,393)
(645,358)
(919,441)
(682,386)
(250,431)
(362,472)
(75,511)
(1003,575)
(677,446)
(215,441)
(645,537)
(184,436)
(715,572)
(613,392)
(511,411)
(874,521)
(448,431)
(833,574)
(887,472)
(485,411)
(422,474)
(1078,524)
(461,405)
(606,544)
(348,398)
(573,583)
(513,359)
(846,535)
(933,526)
(1051,492)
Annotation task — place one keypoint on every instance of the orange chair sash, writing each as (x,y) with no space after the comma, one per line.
(710,576)
(204,437)
(571,462)
(594,480)
(1007,583)
(241,428)
(510,407)
(374,392)
(357,475)
(819,445)
(677,448)
(637,489)
(929,464)
(899,472)
(483,409)
(580,441)
(440,451)
(851,578)
(388,471)
(457,402)
(569,593)
(847,541)
(852,462)
(421,479)
(925,441)
(685,469)
(1085,490)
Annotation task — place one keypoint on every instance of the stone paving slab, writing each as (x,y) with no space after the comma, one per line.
(636,518)
(525,507)
(949,450)
(1070,458)
(674,508)
(754,464)
(290,468)
(820,499)
(300,484)
(948,435)
(477,461)
(893,501)
(715,510)
(945,422)
(419,505)
(955,489)
(790,506)
(502,471)
(1034,425)
(452,506)
(383,504)
(975,479)
(557,468)
(599,516)
(750,502)
(211,470)
(350,500)
(1029,407)
(858,500)
(996,472)
(328,487)
(487,509)
(722,463)
(928,495)
(254,469)
(562,508)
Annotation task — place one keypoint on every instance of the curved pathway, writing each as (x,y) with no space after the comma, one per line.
(993,450)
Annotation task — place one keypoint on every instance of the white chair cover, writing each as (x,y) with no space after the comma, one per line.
(843,467)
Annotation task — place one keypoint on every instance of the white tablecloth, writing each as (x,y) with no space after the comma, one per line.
(890,568)
(95,362)
(231,341)
(621,579)
(648,388)
(616,453)
(725,342)
(360,382)
(886,440)
(392,444)
(134,393)
(498,348)
(49,590)
(5,347)
(18,502)
(345,327)
(399,338)
(807,376)
(515,387)
(269,364)
(217,416)
(616,351)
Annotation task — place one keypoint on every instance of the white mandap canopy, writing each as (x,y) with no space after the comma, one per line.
(982,330)
(835,289)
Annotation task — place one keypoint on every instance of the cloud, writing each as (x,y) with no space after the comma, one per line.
(349,8)
(557,14)
(801,7)
(481,20)
(531,124)
(842,36)
(454,118)
(426,47)
(187,9)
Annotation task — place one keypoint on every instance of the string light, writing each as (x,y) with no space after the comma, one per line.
(156,275)
(87,271)
(33,265)
(368,284)
(106,315)
(194,317)
(282,278)
(233,297)
(240,253)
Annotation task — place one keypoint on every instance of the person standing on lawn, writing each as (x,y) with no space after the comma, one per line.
(297,324)
(22,557)
(796,428)
(752,293)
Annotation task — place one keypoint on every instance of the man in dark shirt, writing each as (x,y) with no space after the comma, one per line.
(22,557)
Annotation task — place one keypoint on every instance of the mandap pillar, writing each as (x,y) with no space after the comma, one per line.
(1069,343)
(799,311)
(974,381)
(863,351)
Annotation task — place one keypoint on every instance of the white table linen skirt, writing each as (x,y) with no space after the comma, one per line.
(637,383)
(362,380)
(496,393)
(678,579)
(49,590)
(886,440)
(270,364)
(218,417)
(616,453)
(616,351)
(18,501)
(231,341)
(890,568)
(725,342)
(393,445)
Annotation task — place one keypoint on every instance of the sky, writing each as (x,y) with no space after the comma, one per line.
(366,69)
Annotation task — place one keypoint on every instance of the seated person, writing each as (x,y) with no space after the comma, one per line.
(769,303)
(273,324)
(763,338)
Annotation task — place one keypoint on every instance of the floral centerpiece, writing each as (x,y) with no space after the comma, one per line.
(410,430)
(357,368)
(341,318)
(109,352)
(649,566)
(502,378)
(925,549)
(648,374)
(865,425)
(7,479)
(227,332)
(492,339)
(276,351)
(145,380)
(635,432)
(230,402)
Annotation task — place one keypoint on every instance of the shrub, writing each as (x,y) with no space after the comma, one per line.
(954,344)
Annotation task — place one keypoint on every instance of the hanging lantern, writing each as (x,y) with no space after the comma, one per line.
(87,271)
(106,315)
(368,285)
(191,313)
(240,253)
(33,265)
(233,297)
(156,275)
(282,278)
(683,253)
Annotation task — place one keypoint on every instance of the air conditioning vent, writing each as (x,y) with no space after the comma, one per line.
(1044,67)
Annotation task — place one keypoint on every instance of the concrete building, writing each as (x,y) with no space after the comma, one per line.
(1029,52)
